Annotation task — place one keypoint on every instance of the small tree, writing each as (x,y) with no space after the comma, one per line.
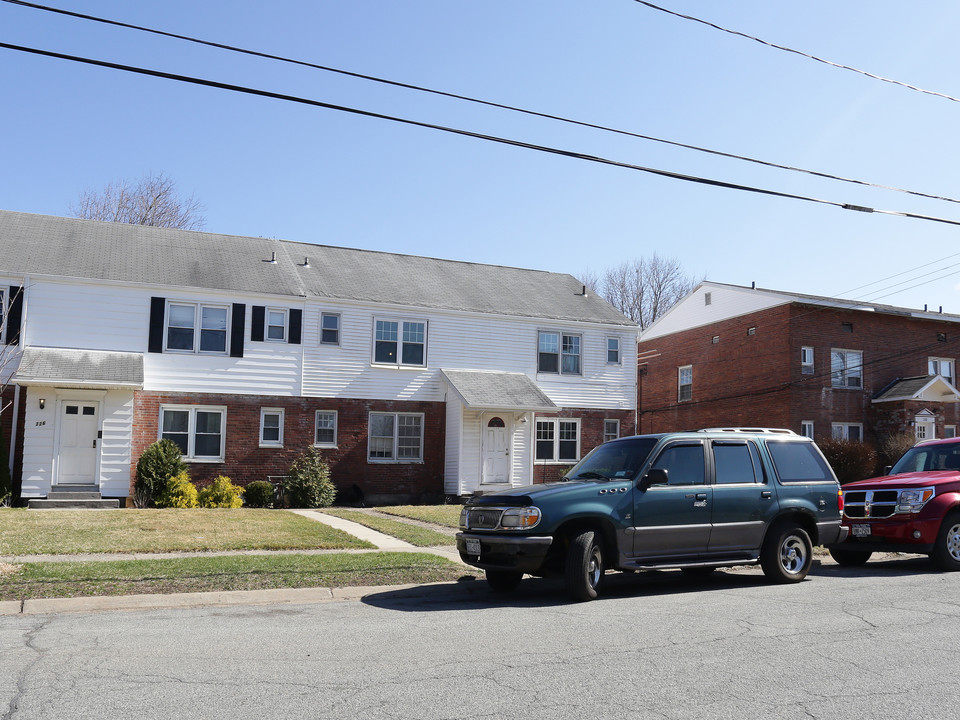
(156,465)
(308,481)
(152,200)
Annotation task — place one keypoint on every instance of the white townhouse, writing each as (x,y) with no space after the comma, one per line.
(416,377)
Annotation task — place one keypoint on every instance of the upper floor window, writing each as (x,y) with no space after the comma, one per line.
(611,430)
(806,360)
(942,367)
(558,353)
(846,368)
(395,437)
(276,325)
(400,342)
(271,427)
(685,383)
(196,327)
(330,328)
(613,350)
(197,431)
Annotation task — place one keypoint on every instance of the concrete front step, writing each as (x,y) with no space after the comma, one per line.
(54,503)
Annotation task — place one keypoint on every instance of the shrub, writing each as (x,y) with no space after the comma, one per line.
(892,447)
(258,494)
(850,460)
(179,492)
(156,465)
(308,482)
(221,494)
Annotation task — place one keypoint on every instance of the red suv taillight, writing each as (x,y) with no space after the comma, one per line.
(840,500)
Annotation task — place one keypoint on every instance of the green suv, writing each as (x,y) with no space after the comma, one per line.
(692,500)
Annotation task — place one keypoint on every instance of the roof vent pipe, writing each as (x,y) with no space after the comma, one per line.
(273,258)
(306,262)
(924,307)
(753,285)
(584,290)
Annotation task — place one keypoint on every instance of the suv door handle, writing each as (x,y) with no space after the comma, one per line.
(766,494)
(701,496)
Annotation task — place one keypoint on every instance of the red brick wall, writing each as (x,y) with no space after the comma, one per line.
(6,422)
(591,435)
(245,461)
(757,380)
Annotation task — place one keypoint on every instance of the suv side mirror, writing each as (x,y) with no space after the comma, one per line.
(657,476)
(887,469)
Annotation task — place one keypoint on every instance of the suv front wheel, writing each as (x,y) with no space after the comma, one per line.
(946,551)
(787,553)
(584,566)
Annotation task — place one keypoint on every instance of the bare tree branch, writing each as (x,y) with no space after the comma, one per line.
(152,200)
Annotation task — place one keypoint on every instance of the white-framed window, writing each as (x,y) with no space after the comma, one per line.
(613,351)
(806,428)
(271,427)
(196,327)
(611,430)
(943,367)
(395,437)
(558,440)
(400,342)
(949,431)
(276,325)
(847,431)
(846,368)
(329,328)
(685,383)
(325,428)
(198,430)
(558,352)
(806,360)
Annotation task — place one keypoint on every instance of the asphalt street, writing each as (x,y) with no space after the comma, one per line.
(872,642)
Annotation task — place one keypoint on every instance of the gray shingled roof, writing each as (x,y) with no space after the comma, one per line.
(81,367)
(497,390)
(66,247)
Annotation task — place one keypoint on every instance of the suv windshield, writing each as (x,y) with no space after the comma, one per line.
(617,460)
(929,457)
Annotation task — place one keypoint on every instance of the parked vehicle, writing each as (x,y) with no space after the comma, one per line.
(694,501)
(914,509)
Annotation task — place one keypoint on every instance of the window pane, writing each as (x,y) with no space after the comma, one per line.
(733,464)
(326,428)
(853,433)
(386,330)
(179,338)
(571,354)
(179,438)
(208,422)
(381,425)
(548,363)
(386,352)
(213,318)
(567,447)
(181,316)
(213,340)
(613,350)
(385,347)
(207,446)
(330,328)
(412,354)
(414,332)
(684,464)
(408,436)
(176,421)
(549,342)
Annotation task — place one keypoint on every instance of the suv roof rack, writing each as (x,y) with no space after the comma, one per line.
(765,431)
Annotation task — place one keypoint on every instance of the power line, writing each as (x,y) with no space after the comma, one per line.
(502,106)
(797,52)
(468,133)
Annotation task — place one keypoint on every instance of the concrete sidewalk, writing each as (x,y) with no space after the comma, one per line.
(238,597)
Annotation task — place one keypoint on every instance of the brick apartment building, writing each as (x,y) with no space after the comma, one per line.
(729,355)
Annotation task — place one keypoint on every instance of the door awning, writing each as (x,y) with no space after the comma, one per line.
(480,389)
(927,388)
(80,368)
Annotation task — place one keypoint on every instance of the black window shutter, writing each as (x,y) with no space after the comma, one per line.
(236,329)
(158,306)
(296,324)
(257,318)
(14,314)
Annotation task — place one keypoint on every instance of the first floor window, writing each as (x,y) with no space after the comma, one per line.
(846,368)
(685,383)
(806,428)
(558,440)
(271,427)
(395,437)
(847,431)
(326,428)
(949,431)
(197,431)
(611,430)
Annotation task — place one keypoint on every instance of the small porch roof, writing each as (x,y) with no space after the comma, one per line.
(482,389)
(926,388)
(80,368)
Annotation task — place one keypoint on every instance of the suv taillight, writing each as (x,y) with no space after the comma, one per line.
(840,500)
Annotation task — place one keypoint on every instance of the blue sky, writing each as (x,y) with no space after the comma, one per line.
(272,168)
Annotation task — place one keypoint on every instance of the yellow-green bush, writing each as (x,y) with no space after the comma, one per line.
(221,494)
(178,493)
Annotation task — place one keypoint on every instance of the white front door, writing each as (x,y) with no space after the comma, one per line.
(496,452)
(77,457)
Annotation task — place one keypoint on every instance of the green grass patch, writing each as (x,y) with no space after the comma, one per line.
(413,534)
(68,532)
(446,515)
(221,573)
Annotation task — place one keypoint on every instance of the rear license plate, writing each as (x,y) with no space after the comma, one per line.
(473,546)
(861,530)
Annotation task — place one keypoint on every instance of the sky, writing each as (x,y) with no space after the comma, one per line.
(272,168)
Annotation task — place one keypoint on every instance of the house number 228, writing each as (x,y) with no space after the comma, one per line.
(41,423)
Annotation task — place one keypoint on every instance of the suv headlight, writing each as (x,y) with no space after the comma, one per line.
(521,518)
(912,501)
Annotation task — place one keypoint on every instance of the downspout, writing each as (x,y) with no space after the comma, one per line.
(24,307)
(13,427)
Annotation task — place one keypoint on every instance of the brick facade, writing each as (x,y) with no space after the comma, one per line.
(747,371)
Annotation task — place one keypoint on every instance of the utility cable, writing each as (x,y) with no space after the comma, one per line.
(466,98)
(795,52)
(469,133)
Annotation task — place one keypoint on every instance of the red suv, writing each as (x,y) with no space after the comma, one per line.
(914,509)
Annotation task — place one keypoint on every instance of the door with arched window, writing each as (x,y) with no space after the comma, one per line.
(495,451)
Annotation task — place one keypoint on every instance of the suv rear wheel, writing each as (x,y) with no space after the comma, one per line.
(584,566)
(787,553)
(946,551)
(850,558)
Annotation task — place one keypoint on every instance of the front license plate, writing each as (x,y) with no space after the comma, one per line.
(473,546)
(861,530)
